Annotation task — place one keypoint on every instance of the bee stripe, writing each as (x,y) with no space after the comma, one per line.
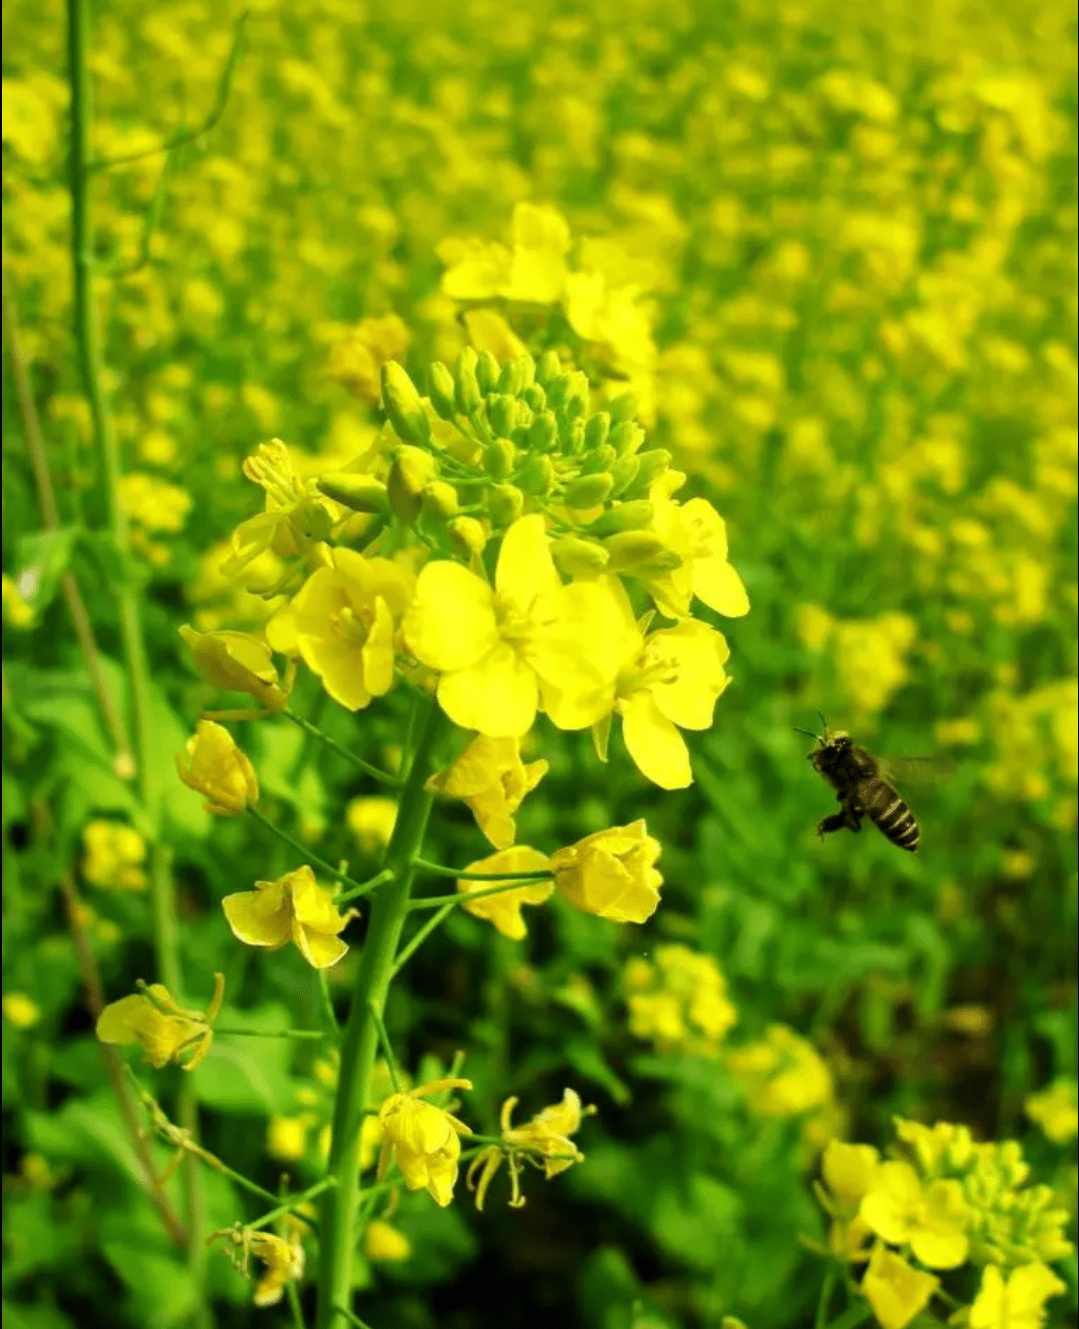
(909,838)
(892,816)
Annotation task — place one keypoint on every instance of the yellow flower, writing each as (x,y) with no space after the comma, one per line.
(342,622)
(1019,1302)
(501,652)
(358,356)
(284,1261)
(167,1032)
(698,534)
(20,1010)
(783,1073)
(1055,1111)
(680,999)
(113,857)
(239,662)
(671,680)
(423,1140)
(371,820)
(382,1241)
(504,910)
(212,764)
(896,1291)
(534,272)
(17,612)
(295,519)
(848,1171)
(611,873)
(544,1142)
(491,778)
(286,1138)
(293,908)
(930,1219)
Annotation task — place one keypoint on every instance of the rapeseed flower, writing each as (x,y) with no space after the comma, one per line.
(293,908)
(214,766)
(698,535)
(1015,1301)
(423,1140)
(1055,1110)
(238,662)
(167,1032)
(113,856)
(931,1218)
(896,1290)
(544,1142)
(611,873)
(504,909)
(371,820)
(493,780)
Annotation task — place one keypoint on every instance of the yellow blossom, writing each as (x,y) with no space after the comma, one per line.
(114,854)
(17,612)
(293,908)
(931,1219)
(286,1138)
(423,1140)
(238,662)
(167,1032)
(1015,1303)
(284,1261)
(357,357)
(503,651)
(1055,1110)
(544,1142)
(154,504)
(212,764)
(491,778)
(698,534)
(383,1242)
(896,1291)
(296,517)
(680,999)
(848,1171)
(342,623)
(504,909)
(783,1073)
(611,873)
(20,1010)
(533,272)
(371,820)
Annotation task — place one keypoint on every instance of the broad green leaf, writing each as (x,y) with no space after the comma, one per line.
(43,558)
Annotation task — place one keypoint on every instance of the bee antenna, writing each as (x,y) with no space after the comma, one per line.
(823,721)
(804,731)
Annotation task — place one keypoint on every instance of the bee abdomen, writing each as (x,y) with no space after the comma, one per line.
(890,814)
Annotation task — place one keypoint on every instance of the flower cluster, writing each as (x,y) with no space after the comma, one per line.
(678,999)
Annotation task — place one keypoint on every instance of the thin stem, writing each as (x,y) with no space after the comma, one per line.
(437,870)
(855,1314)
(387,1047)
(364,888)
(466,897)
(273,1033)
(293,1202)
(388,912)
(373,771)
(407,952)
(351,1317)
(358,888)
(327,1003)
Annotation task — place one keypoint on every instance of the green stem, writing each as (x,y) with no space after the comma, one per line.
(407,952)
(389,908)
(292,1203)
(387,1046)
(856,1313)
(466,897)
(373,771)
(437,869)
(274,1033)
(365,888)
(358,887)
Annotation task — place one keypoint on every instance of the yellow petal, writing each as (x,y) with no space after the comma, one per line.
(655,744)
(525,566)
(451,623)
(319,949)
(720,587)
(262,917)
(496,696)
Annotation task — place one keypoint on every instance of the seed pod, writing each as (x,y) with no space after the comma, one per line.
(548,369)
(361,493)
(652,465)
(578,558)
(542,432)
(588,490)
(502,414)
(634,551)
(599,459)
(487,372)
(440,389)
(467,536)
(622,408)
(626,437)
(537,475)
(505,503)
(439,500)
(467,390)
(499,458)
(596,429)
(624,472)
(403,405)
(411,471)
(633,516)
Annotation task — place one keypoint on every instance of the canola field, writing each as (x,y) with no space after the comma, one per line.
(459,462)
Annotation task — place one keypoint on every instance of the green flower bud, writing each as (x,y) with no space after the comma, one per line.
(526,370)
(599,459)
(587,490)
(467,390)
(578,558)
(361,493)
(440,388)
(548,369)
(571,436)
(652,465)
(537,475)
(439,500)
(505,503)
(502,414)
(535,396)
(403,405)
(626,437)
(596,429)
(487,372)
(499,458)
(624,471)
(622,408)
(313,519)
(640,553)
(575,402)
(411,471)
(467,536)
(634,516)
(510,379)
(542,432)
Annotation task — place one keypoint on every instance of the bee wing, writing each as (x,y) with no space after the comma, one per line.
(917,770)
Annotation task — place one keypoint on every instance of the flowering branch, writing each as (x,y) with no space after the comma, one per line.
(374,772)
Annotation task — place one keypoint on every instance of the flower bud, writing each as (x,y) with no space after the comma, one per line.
(411,471)
(439,500)
(631,550)
(575,400)
(578,558)
(502,414)
(361,493)
(624,517)
(403,405)
(571,436)
(487,372)
(499,458)
(505,503)
(596,429)
(542,432)
(622,408)
(511,378)
(652,465)
(611,874)
(526,372)
(467,536)
(537,475)
(624,472)
(548,369)
(467,393)
(440,389)
(237,661)
(587,490)
(212,764)
(626,437)
(535,396)
(599,459)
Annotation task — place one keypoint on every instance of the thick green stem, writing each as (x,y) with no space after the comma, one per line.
(389,909)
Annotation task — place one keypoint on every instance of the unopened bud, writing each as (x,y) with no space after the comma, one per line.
(440,388)
(535,396)
(632,516)
(571,436)
(588,490)
(624,472)
(548,369)
(575,401)
(510,378)
(403,405)
(596,429)
(652,465)
(626,437)
(487,372)
(467,536)
(361,493)
(542,432)
(578,558)
(499,457)
(599,459)
(411,471)
(439,500)
(622,408)
(505,503)
(502,414)
(640,552)
(537,475)
(467,393)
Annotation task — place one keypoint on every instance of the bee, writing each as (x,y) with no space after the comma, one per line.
(861,789)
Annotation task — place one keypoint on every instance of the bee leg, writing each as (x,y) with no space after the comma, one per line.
(836,822)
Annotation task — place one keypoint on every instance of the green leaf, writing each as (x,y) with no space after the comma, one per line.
(587,1060)
(43,558)
(249,1074)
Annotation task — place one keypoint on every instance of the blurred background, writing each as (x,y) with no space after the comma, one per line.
(831,248)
